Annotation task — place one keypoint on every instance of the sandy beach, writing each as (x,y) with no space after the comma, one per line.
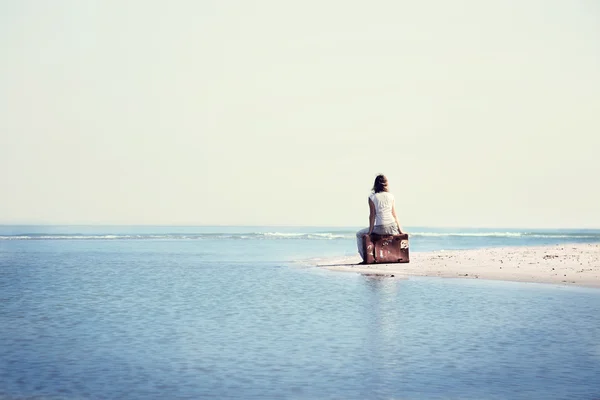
(568,264)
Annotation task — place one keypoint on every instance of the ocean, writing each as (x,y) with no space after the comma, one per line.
(159,312)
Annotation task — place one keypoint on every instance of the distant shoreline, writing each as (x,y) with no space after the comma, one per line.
(572,264)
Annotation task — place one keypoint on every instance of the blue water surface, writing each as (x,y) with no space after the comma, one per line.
(232,318)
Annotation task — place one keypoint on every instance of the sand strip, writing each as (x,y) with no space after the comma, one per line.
(568,264)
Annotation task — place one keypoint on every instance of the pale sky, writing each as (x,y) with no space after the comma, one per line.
(270,112)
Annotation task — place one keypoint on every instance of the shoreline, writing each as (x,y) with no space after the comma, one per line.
(570,264)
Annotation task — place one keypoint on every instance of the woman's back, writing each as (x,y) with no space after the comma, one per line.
(384,202)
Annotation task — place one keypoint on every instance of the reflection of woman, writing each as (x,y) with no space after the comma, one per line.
(382,215)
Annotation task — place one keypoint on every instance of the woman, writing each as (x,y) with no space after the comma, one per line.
(382,215)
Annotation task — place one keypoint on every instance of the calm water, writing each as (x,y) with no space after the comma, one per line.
(188,313)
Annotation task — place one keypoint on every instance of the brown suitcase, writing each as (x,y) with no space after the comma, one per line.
(380,249)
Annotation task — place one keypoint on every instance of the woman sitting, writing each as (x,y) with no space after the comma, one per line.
(382,214)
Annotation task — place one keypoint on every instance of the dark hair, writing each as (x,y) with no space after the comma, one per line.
(380,184)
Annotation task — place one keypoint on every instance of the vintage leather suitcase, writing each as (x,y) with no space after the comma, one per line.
(386,249)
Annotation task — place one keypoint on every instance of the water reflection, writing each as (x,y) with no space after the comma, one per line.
(384,332)
(383,293)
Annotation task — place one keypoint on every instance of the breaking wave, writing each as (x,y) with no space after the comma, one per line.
(334,235)
(178,236)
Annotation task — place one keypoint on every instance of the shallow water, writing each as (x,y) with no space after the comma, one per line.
(150,319)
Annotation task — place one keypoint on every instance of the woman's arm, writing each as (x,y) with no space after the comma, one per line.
(395,216)
(371,216)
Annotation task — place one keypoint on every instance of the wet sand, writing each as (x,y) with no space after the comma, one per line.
(568,264)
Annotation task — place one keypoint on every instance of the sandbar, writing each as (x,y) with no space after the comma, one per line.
(565,264)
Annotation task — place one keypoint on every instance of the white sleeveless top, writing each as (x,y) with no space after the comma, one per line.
(383,208)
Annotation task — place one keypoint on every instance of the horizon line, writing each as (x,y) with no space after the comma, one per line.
(282,226)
